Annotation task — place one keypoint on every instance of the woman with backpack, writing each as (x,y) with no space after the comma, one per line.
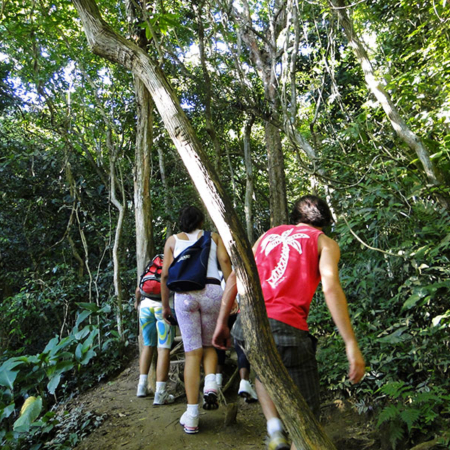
(196,311)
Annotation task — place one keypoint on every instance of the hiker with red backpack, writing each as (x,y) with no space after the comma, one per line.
(155,332)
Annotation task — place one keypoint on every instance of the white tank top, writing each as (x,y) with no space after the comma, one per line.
(181,244)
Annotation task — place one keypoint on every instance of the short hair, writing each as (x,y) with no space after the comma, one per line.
(311,210)
(190,218)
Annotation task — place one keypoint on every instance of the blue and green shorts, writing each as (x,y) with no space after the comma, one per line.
(155,330)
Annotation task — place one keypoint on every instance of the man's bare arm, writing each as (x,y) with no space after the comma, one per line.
(337,304)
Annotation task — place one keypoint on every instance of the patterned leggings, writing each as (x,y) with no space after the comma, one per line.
(197,313)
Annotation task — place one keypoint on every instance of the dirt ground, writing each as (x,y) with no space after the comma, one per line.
(133,423)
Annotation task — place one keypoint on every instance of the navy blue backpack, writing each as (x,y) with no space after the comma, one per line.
(188,270)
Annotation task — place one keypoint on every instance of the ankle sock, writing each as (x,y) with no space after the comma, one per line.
(192,410)
(210,377)
(274,425)
(160,386)
(219,379)
(143,379)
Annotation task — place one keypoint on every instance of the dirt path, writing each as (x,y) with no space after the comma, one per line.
(133,423)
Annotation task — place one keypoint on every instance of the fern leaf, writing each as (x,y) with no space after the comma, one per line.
(410,416)
(388,414)
(395,434)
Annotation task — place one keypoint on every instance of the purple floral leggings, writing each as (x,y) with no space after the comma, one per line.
(197,313)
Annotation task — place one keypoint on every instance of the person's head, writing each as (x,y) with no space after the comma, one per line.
(311,210)
(190,219)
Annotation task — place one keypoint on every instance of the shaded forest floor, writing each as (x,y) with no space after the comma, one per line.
(131,423)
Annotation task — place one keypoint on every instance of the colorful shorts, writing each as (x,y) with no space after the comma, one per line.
(155,330)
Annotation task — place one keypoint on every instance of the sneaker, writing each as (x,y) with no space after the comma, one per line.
(163,398)
(277,441)
(210,395)
(141,390)
(247,391)
(189,423)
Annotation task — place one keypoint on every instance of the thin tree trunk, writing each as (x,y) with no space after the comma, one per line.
(166,189)
(339,7)
(145,247)
(277,182)
(249,186)
(305,430)
(210,128)
(121,207)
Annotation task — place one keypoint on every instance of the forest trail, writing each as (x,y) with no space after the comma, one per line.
(133,423)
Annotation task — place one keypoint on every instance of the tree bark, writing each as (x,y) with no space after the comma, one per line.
(145,247)
(162,170)
(249,185)
(121,207)
(339,8)
(305,430)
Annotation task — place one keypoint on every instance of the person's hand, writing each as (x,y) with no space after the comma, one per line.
(167,315)
(357,365)
(222,338)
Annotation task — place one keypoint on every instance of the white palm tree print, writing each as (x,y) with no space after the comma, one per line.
(286,240)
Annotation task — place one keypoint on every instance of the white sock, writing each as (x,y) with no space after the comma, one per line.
(143,379)
(192,410)
(274,425)
(210,377)
(160,386)
(219,379)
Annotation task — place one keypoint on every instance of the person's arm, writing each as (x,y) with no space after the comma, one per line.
(222,338)
(337,304)
(137,296)
(165,292)
(222,256)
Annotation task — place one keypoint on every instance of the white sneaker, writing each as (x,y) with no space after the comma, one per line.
(210,395)
(246,390)
(189,423)
(163,398)
(141,390)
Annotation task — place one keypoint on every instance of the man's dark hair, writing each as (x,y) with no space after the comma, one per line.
(311,210)
(190,218)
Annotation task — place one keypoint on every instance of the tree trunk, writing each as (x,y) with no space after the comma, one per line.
(277,182)
(339,7)
(305,430)
(162,170)
(121,207)
(249,186)
(145,247)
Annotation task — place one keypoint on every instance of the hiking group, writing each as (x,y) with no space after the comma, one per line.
(291,261)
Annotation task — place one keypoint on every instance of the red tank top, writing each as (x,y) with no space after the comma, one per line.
(288,266)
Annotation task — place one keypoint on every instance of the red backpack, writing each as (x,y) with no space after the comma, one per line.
(150,283)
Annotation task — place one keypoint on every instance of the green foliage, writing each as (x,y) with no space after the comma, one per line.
(411,411)
(75,361)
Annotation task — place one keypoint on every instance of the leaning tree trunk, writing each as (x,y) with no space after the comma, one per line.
(305,430)
(339,7)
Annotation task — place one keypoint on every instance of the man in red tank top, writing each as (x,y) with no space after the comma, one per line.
(291,261)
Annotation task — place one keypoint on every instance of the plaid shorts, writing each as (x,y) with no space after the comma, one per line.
(297,349)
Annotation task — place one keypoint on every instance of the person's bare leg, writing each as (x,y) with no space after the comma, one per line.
(162,368)
(192,375)
(145,359)
(267,405)
(274,425)
(244,374)
(209,360)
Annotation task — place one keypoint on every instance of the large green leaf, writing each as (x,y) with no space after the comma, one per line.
(30,412)
(7,376)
